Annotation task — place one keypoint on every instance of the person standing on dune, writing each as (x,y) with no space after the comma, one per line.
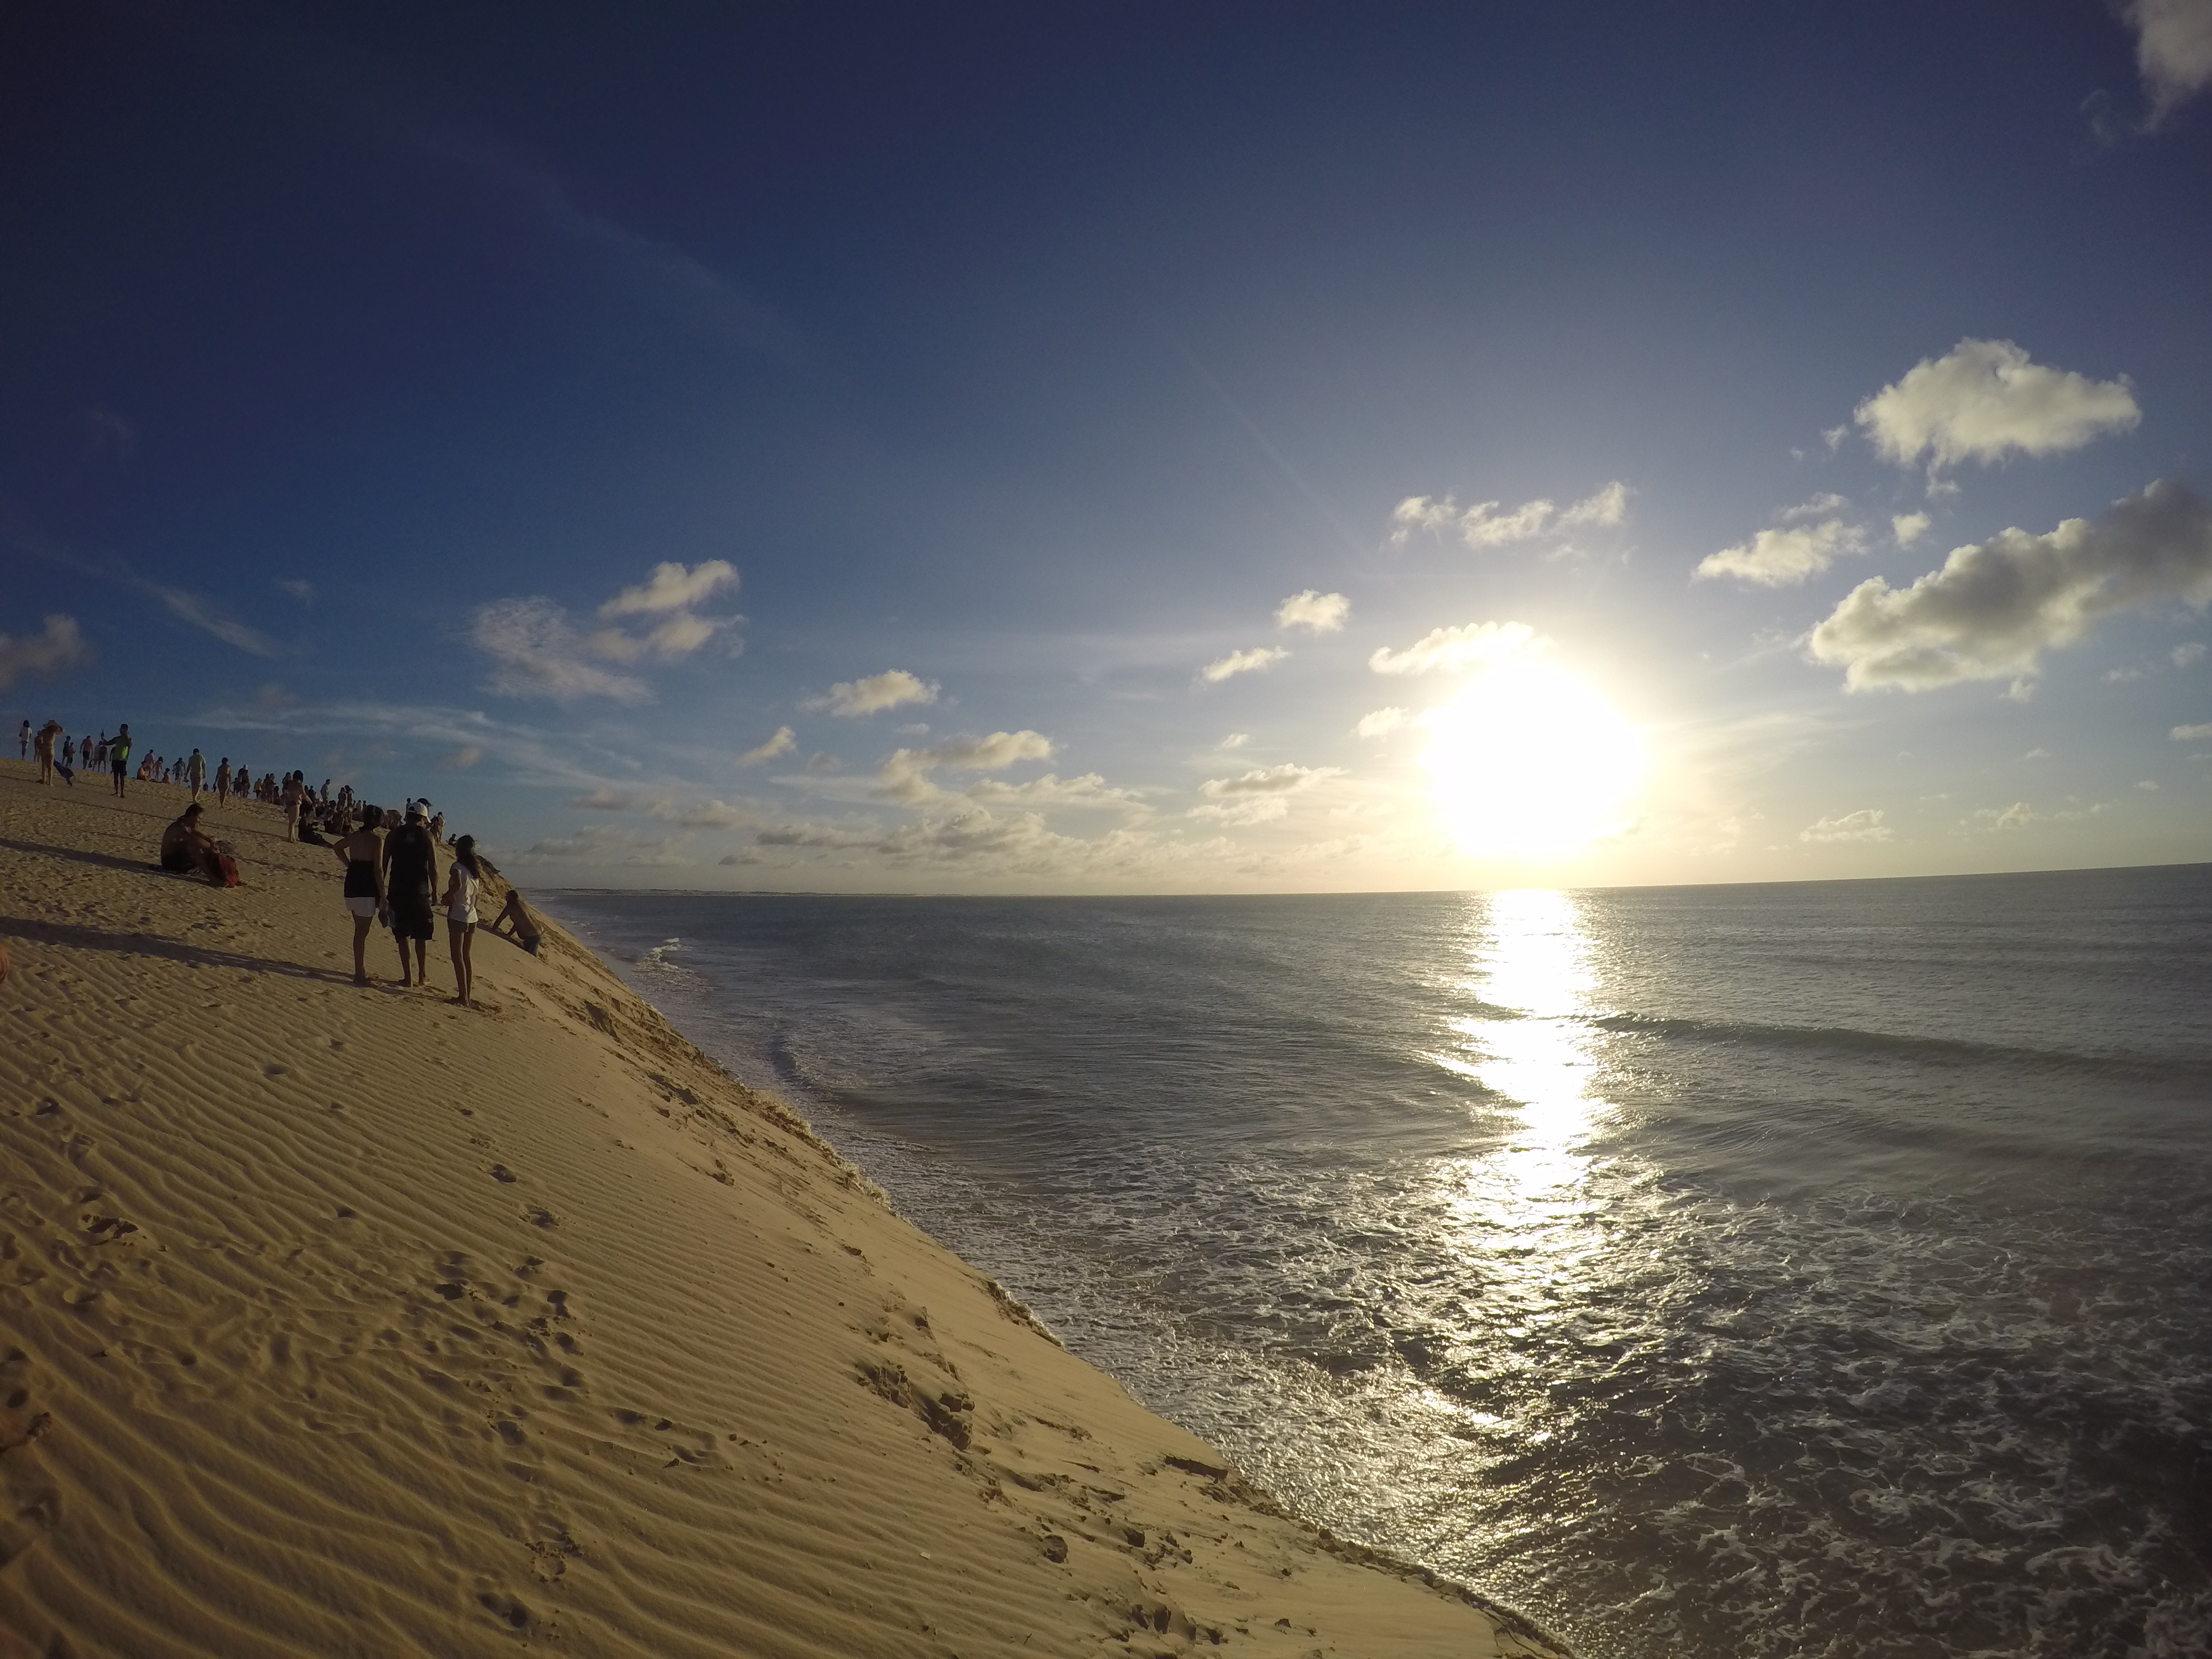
(23,741)
(196,771)
(118,754)
(43,747)
(362,853)
(410,885)
(222,781)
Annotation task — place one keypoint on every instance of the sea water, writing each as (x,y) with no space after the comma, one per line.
(1817,1269)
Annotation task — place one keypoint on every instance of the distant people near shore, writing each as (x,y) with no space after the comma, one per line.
(119,755)
(461,917)
(362,853)
(42,748)
(410,878)
(522,927)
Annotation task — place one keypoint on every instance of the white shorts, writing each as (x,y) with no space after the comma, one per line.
(462,918)
(361,907)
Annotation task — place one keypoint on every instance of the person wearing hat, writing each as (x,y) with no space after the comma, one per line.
(410,886)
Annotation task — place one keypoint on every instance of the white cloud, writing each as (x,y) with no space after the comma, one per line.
(1833,436)
(1606,509)
(1259,796)
(671,588)
(1455,647)
(991,754)
(1050,790)
(782,743)
(1909,527)
(892,689)
(300,588)
(2038,753)
(1324,613)
(2148,785)
(2018,816)
(1383,720)
(1484,525)
(2185,654)
(460,759)
(603,800)
(536,654)
(60,645)
(1865,824)
(1985,398)
(1996,605)
(1782,558)
(2173,50)
(1234,740)
(701,815)
(1489,524)
(1826,505)
(2192,734)
(1242,662)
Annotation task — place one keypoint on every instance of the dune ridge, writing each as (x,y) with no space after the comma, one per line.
(349,1321)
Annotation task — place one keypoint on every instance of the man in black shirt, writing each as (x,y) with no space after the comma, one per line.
(411,884)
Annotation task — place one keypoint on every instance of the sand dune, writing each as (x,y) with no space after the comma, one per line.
(348,1322)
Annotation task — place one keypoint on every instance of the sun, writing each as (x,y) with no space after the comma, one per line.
(1528,762)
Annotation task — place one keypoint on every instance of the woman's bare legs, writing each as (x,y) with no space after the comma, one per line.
(457,941)
(360,927)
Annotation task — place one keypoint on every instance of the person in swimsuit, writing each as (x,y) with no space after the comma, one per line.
(361,853)
(410,881)
(460,903)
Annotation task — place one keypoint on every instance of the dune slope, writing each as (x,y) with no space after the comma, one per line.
(349,1321)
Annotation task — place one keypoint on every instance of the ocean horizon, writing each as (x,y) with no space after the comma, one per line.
(1806,1268)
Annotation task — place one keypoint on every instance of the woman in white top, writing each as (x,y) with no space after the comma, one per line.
(461,902)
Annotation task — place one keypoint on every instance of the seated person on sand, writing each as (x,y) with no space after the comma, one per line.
(187,849)
(522,927)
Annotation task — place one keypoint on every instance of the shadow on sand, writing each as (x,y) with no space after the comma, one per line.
(73,936)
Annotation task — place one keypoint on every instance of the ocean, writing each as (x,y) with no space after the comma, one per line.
(1817,1269)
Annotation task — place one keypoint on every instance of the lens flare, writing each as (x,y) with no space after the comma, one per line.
(1527,762)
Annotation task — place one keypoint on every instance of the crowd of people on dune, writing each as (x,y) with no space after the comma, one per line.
(391,854)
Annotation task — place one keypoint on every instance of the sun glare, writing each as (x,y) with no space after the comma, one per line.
(1527,762)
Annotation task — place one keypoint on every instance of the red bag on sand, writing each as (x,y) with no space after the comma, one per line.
(224,872)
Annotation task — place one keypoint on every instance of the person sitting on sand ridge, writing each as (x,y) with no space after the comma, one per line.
(186,848)
(522,927)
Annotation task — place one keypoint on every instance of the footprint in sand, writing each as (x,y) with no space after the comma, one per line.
(501,1172)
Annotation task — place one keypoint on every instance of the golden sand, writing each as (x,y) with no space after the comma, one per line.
(342,1320)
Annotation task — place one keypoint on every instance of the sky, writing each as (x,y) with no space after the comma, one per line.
(1131,447)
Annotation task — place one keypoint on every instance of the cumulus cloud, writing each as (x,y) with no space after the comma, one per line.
(1491,524)
(1234,740)
(1382,721)
(2173,50)
(782,743)
(1455,647)
(2192,734)
(1604,510)
(671,588)
(1782,558)
(1996,605)
(1826,505)
(1242,662)
(536,654)
(2018,816)
(1324,613)
(1985,399)
(1909,527)
(905,775)
(60,645)
(1258,796)
(892,689)
(1865,824)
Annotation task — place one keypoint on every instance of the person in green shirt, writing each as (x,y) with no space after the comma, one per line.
(119,755)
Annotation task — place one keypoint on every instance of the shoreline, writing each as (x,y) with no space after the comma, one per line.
(346,1317)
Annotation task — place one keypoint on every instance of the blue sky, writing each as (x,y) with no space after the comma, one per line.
(885,449)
